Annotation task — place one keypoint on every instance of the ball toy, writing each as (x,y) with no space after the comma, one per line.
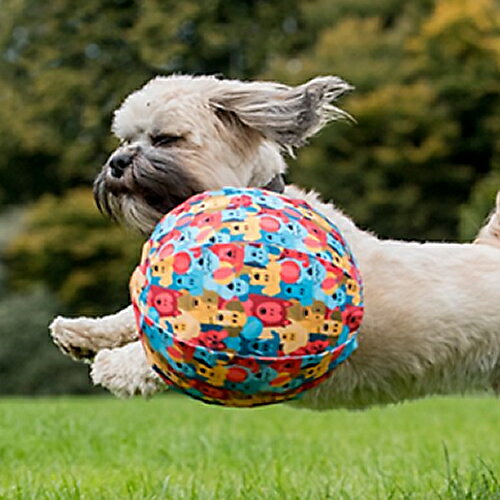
(245,297)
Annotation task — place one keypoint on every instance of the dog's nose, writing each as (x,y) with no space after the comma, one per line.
(119,162)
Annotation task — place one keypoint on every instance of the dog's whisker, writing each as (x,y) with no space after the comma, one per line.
(102,197)
(139,215)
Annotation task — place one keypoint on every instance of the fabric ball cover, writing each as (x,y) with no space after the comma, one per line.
(245,297)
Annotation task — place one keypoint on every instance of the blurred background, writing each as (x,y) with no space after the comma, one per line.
(422,162)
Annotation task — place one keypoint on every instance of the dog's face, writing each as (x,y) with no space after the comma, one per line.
(182,135)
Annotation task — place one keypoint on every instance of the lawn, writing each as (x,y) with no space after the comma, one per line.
(172,447)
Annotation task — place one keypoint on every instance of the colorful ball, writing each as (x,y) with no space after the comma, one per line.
(245,297)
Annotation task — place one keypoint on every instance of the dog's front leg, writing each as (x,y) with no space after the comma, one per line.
(125,372)
(82,338)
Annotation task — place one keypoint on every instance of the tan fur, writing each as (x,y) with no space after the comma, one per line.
(432,322)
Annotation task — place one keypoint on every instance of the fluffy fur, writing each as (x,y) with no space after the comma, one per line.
(432,321)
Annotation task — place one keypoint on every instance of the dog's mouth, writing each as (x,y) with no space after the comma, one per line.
(151,186)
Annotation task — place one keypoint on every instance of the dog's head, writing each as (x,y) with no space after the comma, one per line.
(181,135)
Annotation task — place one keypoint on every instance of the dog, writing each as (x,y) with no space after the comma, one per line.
(432,320)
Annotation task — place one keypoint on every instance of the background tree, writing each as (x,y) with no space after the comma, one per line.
(29,364)
(70,247)
(426,105)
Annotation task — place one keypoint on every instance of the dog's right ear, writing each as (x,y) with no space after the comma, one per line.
(286,115)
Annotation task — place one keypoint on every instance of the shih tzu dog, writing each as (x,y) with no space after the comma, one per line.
(432,317)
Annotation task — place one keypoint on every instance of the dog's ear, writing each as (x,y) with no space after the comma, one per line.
(286,115)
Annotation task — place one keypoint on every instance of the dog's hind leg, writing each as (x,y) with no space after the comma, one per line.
(125,372)
(82,338)
(490,233)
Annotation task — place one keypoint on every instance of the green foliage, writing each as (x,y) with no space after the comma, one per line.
(70,247)
(29,362)
(233,38)
(426,105)
(67,66)
(61,64)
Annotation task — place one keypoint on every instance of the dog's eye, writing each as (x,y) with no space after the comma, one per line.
(164,139)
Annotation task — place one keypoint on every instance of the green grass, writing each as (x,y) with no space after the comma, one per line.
(172,447)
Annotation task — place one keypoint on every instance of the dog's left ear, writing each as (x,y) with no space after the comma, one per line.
(286,115)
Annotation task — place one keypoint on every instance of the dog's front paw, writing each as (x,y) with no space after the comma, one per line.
(82,338)
(125,372)
(74,337)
